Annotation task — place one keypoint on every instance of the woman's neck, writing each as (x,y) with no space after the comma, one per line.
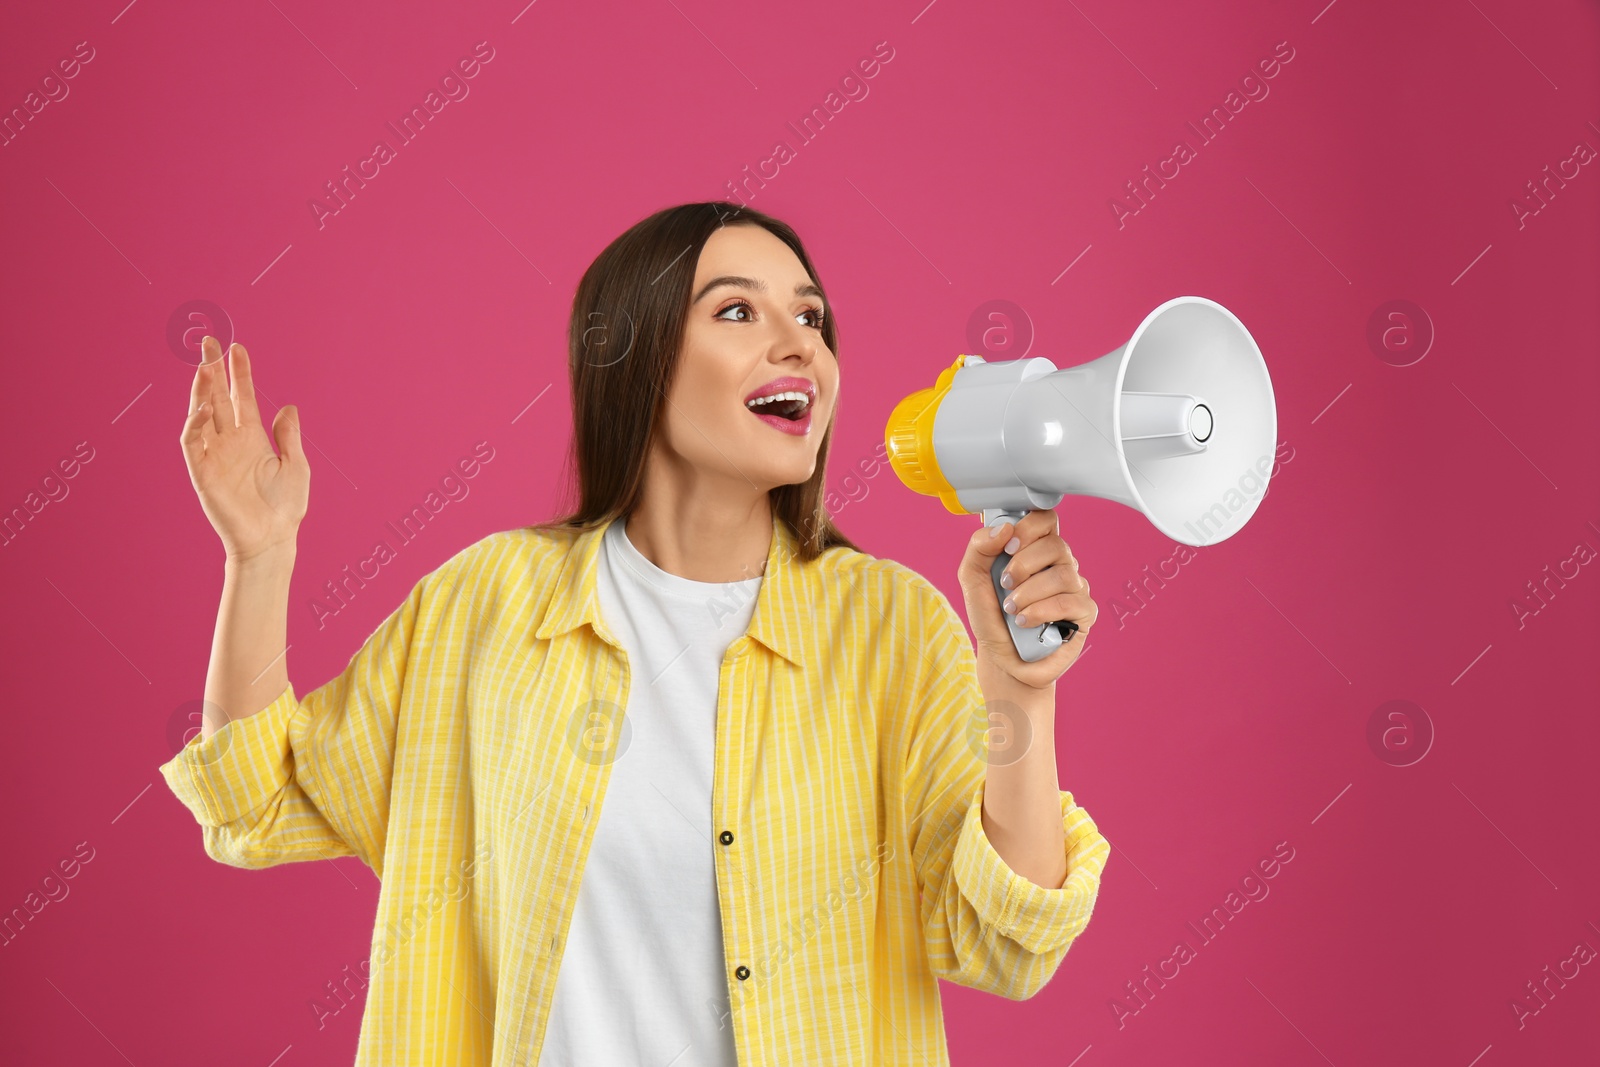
(704,538)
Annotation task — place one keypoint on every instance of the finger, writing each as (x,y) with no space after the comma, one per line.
(244,389)
(193,437)
(1051,581)
(1033,558)
(217,392)
(1072,607)
(286,432)
(990,541)
(200,388)
(1037,523)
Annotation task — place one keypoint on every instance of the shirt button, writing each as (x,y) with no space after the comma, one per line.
(742,972)
(726,837)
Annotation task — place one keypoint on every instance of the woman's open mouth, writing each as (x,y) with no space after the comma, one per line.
(789,412)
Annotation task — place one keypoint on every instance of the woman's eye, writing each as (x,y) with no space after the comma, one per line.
(818,315)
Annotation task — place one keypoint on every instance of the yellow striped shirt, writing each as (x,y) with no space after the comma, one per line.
(463,755)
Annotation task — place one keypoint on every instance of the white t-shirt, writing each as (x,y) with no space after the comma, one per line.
(642,978)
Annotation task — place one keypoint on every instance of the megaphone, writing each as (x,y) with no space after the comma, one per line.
(1179,423)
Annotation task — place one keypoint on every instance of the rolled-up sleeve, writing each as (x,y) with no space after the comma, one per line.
(224,777)
(306,778)
(985,926)
(1042,921)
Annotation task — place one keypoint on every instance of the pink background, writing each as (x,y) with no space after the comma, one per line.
(1226,714)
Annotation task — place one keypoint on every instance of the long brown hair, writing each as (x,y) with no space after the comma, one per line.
(624,340)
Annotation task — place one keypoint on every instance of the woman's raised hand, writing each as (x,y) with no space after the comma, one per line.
(254,497)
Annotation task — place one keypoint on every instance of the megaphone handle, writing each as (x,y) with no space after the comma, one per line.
(1032,642)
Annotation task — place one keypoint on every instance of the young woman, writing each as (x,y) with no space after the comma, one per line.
(684,776)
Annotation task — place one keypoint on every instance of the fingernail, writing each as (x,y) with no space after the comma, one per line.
(994,531)
(1013,544)
(1010,605)
(1005,580)
(1022,620)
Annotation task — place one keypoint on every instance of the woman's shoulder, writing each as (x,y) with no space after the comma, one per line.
(525,541)
(888,583)
(524,555)
(857,593)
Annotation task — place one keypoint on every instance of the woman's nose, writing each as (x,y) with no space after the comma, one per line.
(800,340)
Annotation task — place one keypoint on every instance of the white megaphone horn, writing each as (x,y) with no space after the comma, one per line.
(1179,423)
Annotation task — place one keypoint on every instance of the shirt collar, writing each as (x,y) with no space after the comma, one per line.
(779,620)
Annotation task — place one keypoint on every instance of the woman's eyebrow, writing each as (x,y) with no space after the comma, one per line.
(803,289)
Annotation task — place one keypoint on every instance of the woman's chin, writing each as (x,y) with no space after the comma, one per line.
(776,476)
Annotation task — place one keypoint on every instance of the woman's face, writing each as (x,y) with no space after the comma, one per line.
(742,336)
